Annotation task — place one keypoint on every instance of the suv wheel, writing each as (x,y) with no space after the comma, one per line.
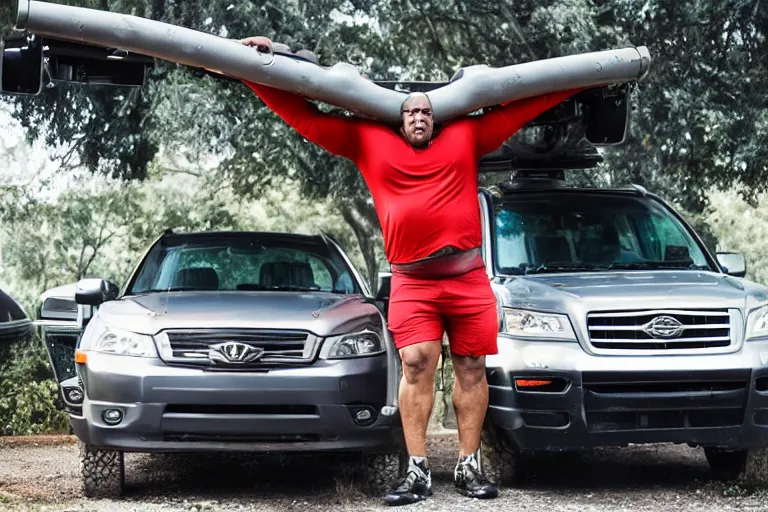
(750,467)
(729,464)
(381,470)
(756,468)
(102,472)
(497,460)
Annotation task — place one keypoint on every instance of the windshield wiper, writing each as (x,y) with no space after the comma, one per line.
(172,289)
(276,288)
(554,267)
(561,267)
(657,265)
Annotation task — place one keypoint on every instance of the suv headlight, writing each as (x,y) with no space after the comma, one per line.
(757,323)
(110,340)
(357,344)
(531,324)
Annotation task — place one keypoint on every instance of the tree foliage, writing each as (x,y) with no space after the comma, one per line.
(741,227)
(699,119)
(29,394)
(702,117)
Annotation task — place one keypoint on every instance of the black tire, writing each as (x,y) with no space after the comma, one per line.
(102,472)
(498,460)
(728,464)
(756,469)
(381,471)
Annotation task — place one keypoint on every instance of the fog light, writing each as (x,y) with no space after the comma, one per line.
(112,416)
(388,410)
(363,415)
(73,395)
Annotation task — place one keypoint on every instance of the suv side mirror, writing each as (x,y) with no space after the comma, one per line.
(382,289)
(382,292)
(733,263)
(607,114)
(21,66)
(94,292)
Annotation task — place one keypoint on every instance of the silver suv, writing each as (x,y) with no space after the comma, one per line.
(618,326)
(225,341)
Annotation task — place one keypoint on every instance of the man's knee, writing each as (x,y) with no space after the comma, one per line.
(469,371)
(420,361)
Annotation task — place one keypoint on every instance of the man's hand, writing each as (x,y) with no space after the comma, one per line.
(263,44)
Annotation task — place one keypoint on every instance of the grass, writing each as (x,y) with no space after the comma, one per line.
(347,485)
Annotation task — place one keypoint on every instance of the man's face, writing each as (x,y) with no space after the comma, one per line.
(417,120)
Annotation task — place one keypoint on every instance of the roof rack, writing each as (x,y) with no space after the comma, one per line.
(549,179)
(558,151)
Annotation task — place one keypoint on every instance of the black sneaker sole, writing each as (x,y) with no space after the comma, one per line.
(485,494)
(406,499)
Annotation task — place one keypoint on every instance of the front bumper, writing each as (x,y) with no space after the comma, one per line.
(305,409)
(709,400)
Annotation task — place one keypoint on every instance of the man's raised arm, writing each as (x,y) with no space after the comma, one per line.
(335,134)
(498,125)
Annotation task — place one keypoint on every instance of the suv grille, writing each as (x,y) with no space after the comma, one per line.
(660,329)
(280,347)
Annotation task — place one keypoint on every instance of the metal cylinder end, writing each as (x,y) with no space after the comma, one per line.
(645,61)
(22,14)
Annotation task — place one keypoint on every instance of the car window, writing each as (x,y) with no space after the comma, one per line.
(591,231)
(10,311)
(242,265)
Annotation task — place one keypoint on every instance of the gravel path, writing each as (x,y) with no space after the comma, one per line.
(42,474)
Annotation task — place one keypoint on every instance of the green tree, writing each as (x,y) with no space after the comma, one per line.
(47,244)
(702,115)
(741,227)
(699,120)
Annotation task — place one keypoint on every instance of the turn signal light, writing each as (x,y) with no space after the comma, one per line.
(526,383)
(80,357)
(541,385)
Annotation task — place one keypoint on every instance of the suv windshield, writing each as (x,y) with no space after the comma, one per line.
(564,232)
(242,262)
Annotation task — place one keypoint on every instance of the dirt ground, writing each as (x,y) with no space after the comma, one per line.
(41,473)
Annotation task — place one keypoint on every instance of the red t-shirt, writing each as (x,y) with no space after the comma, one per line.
(426,199)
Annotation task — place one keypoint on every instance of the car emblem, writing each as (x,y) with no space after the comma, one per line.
(234,352)
(664,327)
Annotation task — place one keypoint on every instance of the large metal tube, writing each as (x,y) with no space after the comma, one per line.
(340,84)
(480,86)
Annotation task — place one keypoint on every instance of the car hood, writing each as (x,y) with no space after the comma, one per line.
(323,314)
(629,290)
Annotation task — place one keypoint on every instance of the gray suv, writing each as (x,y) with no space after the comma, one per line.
(618,326)
(261,342)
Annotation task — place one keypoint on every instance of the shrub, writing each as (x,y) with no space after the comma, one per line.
(28,394)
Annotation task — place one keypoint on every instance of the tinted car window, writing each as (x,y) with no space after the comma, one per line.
(593,230)
(242,263)
(15,326)
(10,311)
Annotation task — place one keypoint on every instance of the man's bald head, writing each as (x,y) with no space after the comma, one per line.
(418,124)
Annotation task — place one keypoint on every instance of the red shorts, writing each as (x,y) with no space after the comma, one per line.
(464,306)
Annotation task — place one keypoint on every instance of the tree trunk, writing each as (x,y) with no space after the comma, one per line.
(358,216)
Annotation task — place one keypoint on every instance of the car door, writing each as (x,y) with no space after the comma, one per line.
(60,322)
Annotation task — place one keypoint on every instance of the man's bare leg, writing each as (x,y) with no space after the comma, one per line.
(470,399)
(416,393)
(416,390)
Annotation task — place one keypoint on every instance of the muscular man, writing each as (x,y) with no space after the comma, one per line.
(424,183)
